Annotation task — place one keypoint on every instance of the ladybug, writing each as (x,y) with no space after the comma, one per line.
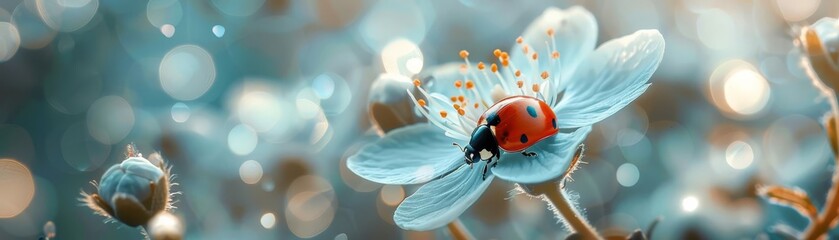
(512,125)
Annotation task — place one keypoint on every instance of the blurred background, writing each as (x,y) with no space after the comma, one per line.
(257,104)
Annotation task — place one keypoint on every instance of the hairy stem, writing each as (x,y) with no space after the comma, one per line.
(829,213)
(144,229)
(565,210)
(459,232)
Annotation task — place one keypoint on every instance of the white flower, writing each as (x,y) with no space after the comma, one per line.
(554,61)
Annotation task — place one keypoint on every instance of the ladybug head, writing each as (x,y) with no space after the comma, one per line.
(482,145)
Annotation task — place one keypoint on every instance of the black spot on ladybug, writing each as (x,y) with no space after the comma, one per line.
(531,111)
(553,121)
(523,138)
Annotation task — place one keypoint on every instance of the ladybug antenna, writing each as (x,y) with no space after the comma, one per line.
(458,146)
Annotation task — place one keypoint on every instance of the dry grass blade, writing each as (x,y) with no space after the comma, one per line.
(830,127)
(791,197)
(819,57)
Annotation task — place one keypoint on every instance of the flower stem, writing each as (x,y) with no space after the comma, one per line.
(564,208)
(829,213)
(459,232)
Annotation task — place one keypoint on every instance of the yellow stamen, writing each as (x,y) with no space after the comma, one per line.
(417,82)
(443,114)
(461,98)
(535,56)
(469,84)
(458,84)
(481,66)
(456,106)
(504,55)
(496,52)
(494,68)
(545,75)
(461,111)
(555,55)
(421,102)
(454,99)
(520,83)
(476,105)
(535,87)
(525,49)
(519,40)
(464,54)
(505,62)
(550,32)
(518,73)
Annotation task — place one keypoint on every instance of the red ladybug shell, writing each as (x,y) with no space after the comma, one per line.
(524,121)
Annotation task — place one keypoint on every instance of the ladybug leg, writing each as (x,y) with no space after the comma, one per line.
(497,155)
(528,154)
(486,167)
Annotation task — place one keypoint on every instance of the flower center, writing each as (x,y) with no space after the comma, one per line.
(483,86)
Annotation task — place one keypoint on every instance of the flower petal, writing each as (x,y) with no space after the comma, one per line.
(408,155)
(612,77)
(441,201)
(575,37)
(553,157)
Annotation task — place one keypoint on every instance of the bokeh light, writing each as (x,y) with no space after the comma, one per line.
(66,15)
(242,139)
(268,220)
(180,112)
(739,155)
(164,12)
(218,31)
(737,88)
(18,188)
(628,174)
(311,206)
(9,41)
(167,30)
(110,119)
(403,57)
(250,172)
(795,11)
(690,204)
(187,72)
(392,194)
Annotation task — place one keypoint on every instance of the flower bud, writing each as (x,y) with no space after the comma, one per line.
(389,105)
(821,45)
(132,191)
(49,230)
